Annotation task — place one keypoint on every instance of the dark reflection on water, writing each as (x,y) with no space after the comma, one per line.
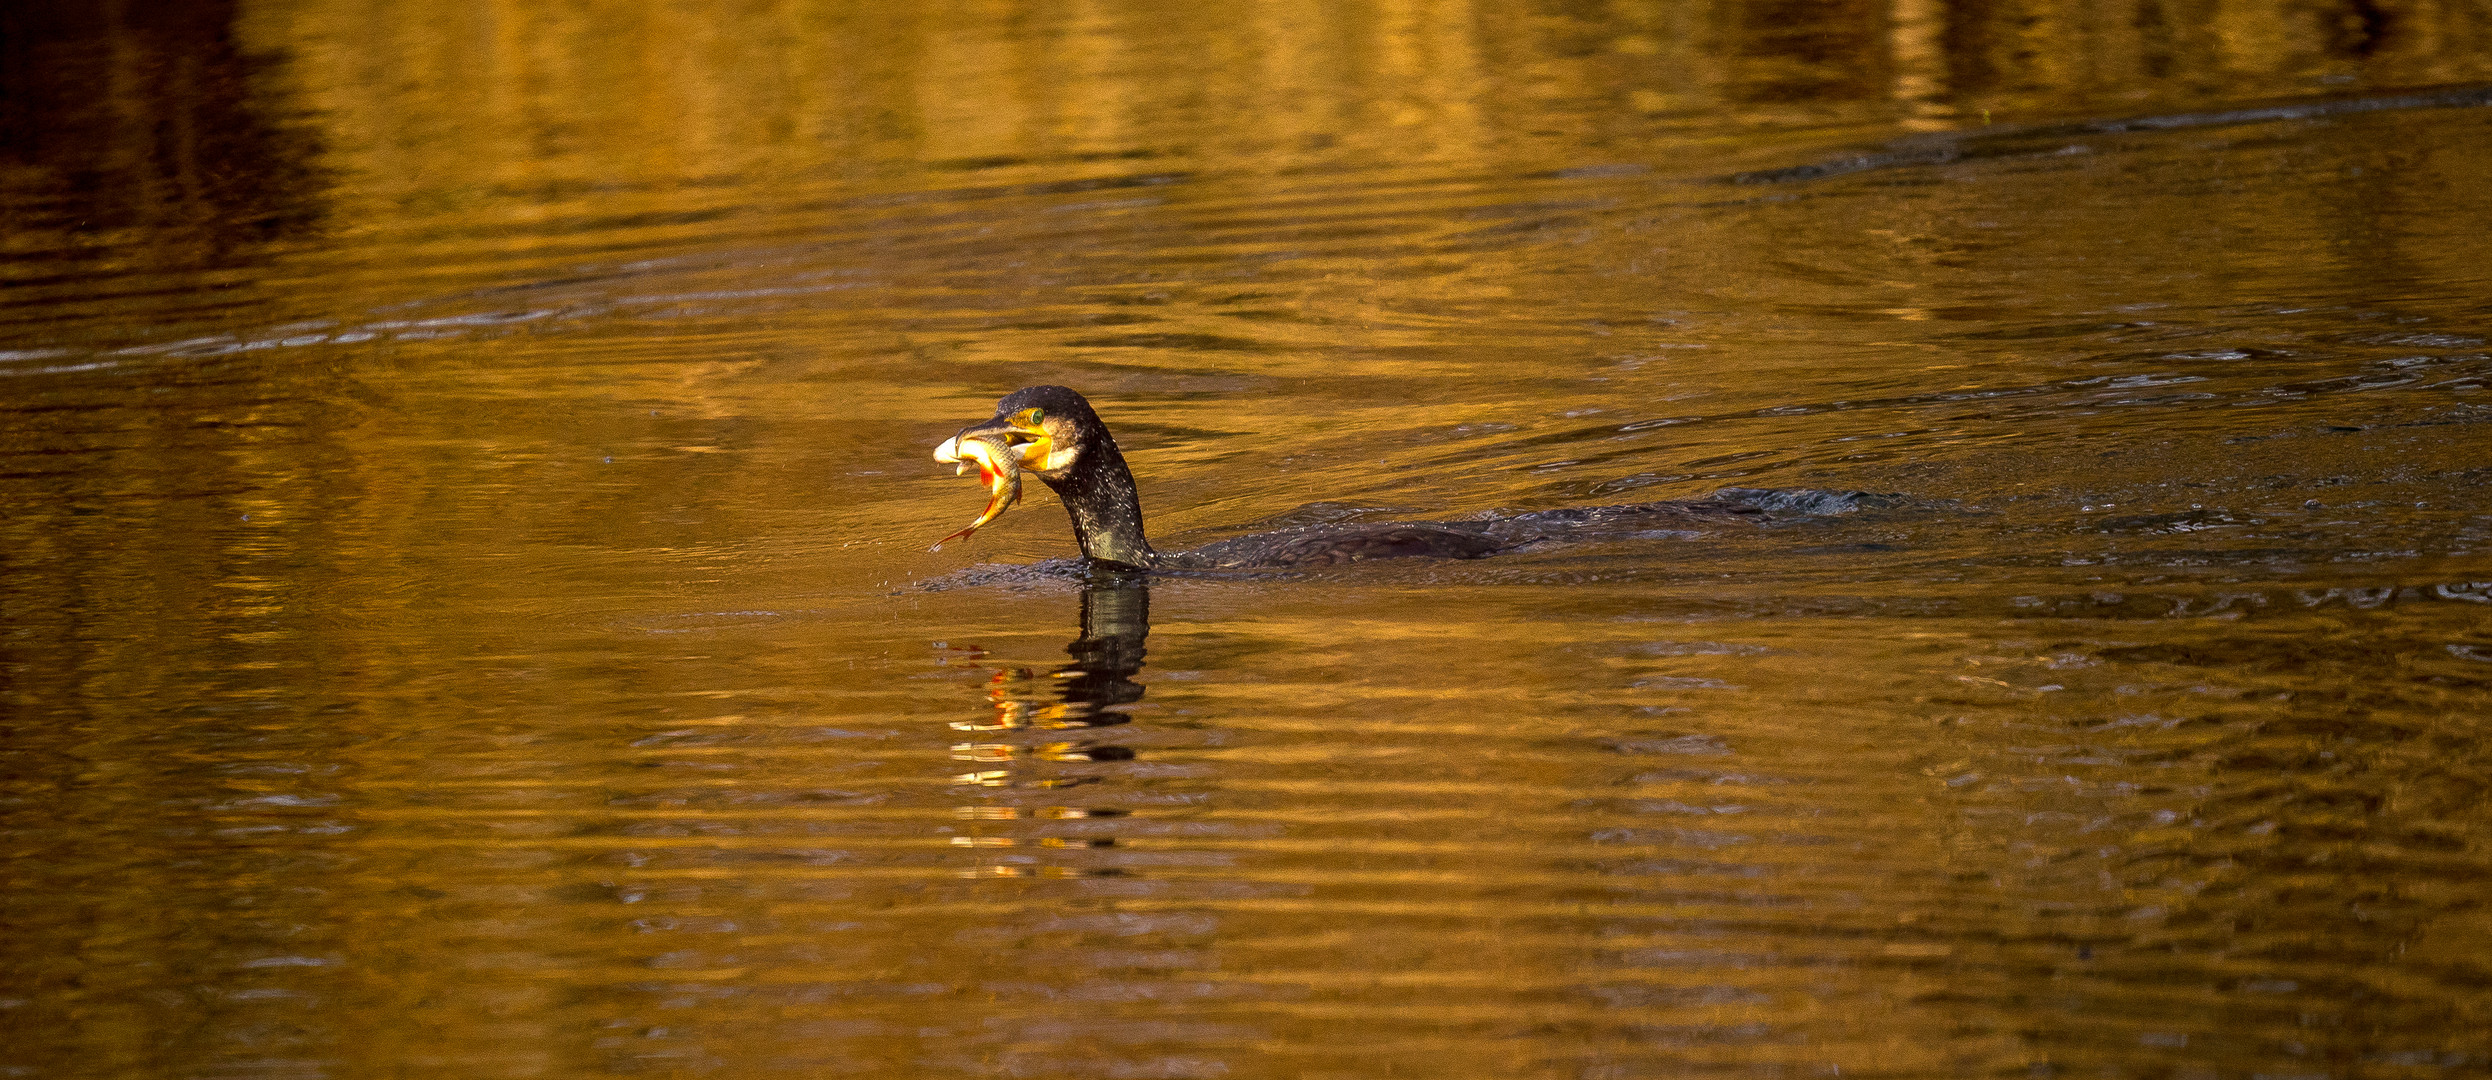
(463,510)
(133,138)
(1040,711)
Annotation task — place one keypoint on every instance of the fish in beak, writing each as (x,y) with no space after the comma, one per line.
(1000,448)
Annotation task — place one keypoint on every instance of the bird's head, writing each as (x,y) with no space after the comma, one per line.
(1044,428)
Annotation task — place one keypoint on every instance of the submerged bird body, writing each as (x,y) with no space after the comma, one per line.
(1052,432)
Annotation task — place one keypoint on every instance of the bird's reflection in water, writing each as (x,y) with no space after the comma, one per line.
(1044,730)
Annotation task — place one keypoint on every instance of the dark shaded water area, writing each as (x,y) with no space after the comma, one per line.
(465,500)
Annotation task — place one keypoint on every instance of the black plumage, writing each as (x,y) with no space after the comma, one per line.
(1053,432)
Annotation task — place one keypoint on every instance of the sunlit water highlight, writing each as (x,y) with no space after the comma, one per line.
(495,636)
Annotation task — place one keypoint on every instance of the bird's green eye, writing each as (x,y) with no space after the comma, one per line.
(1038,416)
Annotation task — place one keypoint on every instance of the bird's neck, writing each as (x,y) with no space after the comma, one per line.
(1098,491)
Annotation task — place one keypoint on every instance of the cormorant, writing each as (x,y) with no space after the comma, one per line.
(1052,431)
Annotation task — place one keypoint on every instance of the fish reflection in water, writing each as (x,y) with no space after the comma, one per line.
(1023,744)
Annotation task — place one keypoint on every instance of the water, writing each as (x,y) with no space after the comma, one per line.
(467,498)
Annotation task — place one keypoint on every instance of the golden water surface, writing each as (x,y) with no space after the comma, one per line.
(464,500)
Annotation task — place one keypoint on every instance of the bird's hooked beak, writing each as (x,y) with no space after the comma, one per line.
(1023,435)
